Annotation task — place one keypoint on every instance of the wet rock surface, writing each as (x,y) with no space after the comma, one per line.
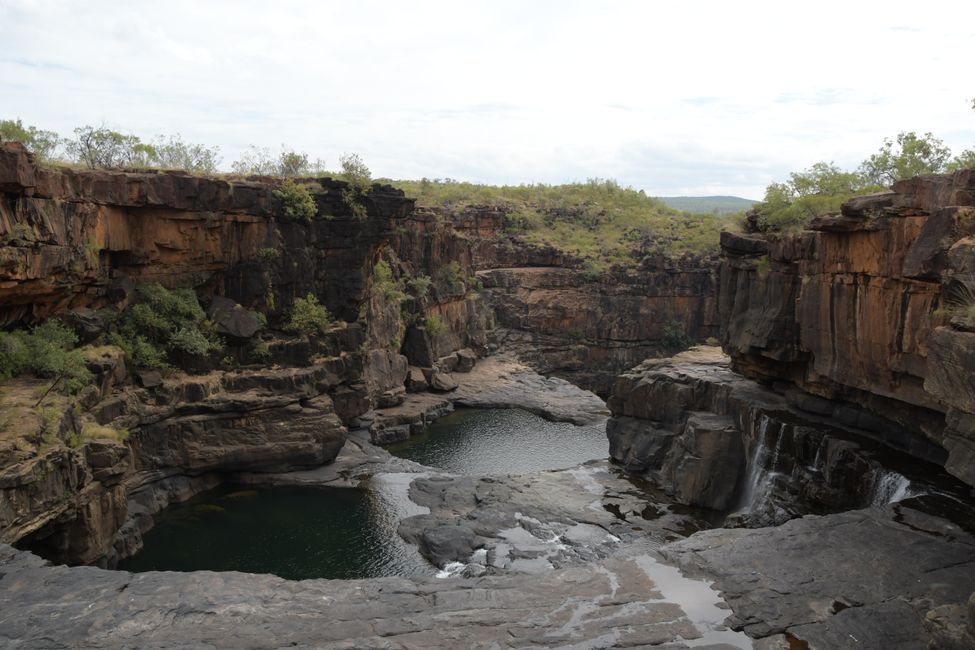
(611,603)
(866,578)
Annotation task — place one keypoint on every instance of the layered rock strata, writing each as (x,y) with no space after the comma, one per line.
(865,316)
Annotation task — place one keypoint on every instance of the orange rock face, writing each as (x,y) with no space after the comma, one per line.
(849,309)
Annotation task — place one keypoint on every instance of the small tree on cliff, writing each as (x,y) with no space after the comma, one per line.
(909,155)
(43,144)
(359,178)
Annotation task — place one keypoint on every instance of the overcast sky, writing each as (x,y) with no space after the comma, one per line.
(674,98)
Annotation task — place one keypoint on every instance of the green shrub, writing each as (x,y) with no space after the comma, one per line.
(48,351)
(190,340)
(163,321)
(382,279)
(268,256)
(359,178)
(674,338)
(297,203)
(308,316)
(451,274)
(420,285)
(435,325)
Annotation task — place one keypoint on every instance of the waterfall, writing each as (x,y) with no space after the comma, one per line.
(761,468)
(889,487)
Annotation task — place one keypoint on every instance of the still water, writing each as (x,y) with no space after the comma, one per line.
(315,532)
(503,441)
(292,532)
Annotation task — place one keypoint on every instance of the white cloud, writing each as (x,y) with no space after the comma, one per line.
(695,98)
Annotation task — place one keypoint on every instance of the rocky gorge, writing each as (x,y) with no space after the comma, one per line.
(811,482)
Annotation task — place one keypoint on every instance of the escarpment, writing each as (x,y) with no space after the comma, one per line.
(866,316)
(562,318)
(77,244)
(849,376)
(416,294)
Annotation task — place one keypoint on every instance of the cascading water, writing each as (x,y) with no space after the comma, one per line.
(889,487)
(762,465)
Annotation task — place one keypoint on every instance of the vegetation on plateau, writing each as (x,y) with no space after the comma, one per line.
(599,219)
(297,203)
(824,186)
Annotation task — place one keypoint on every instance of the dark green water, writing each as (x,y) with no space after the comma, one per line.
(313,532)
(503,441)
(292,532)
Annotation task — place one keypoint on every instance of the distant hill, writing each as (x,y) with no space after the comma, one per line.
(710,204)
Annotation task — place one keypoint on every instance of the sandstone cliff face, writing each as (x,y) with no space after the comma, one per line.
(537,301)
(862,315)
(77,240)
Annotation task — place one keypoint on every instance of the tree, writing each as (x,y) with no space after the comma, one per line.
(174,153)
(292,163)
(912,156)
(103,148)
(359,178)
(43,144)
(260,161)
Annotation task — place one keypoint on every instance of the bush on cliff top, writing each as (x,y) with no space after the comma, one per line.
(297,203)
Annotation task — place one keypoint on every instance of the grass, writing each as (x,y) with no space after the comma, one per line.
(598,220)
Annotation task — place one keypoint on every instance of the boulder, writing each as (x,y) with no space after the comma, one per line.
(149,378)
(466,359)
(416,381)
(441,382)
(230,319)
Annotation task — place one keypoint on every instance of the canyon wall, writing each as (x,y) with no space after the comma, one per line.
(562,319)
(849,376)
(76,243)
(866,317)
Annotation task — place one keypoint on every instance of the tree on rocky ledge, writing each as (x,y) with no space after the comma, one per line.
(913,155)
(43,144)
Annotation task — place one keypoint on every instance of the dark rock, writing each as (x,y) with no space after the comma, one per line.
(416,381)
(149,378)
(636,444)
(230,319)
(87,323)
(442,382)
(465,360)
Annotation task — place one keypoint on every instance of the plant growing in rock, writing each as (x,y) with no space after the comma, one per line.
(674,337)
(435,325)
(420,286)
(162,323)
(296,201)
(308,316)
(451,274)
(382,279)
(359,178)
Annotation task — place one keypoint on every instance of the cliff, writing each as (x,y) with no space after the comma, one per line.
(76,243)
(866,316)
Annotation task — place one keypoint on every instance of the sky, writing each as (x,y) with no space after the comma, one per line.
(673,98)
